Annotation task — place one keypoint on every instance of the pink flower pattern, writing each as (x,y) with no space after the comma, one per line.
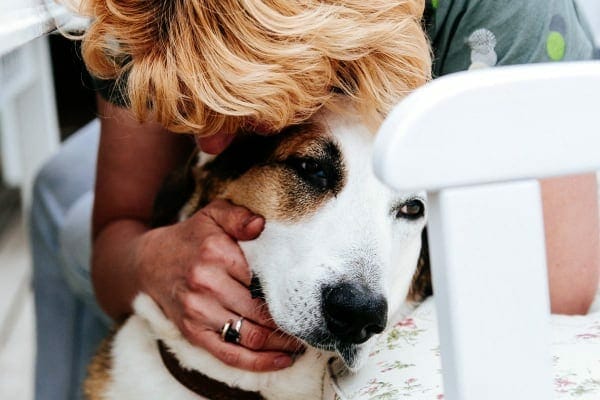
(405,362)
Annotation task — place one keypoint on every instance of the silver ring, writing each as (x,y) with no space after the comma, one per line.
(238,329)
(225,329)
(231,333)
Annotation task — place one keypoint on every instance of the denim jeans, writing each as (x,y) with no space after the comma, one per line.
(69,323)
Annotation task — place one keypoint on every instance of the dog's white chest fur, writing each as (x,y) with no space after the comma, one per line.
(139,373)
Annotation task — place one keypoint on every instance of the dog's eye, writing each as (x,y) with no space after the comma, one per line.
(311,171)
(412,209)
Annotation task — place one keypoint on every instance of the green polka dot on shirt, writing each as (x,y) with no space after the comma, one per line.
(556,46)
(555,43)
(435,3)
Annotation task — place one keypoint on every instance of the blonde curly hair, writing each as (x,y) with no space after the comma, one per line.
(205,66)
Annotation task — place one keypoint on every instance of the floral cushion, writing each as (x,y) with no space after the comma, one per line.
(405,363)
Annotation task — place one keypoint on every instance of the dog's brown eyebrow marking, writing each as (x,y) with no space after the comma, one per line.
(266,174)
(245,152)
(251,150)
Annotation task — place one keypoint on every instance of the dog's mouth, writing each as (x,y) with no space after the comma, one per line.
(322,339)
(348,352)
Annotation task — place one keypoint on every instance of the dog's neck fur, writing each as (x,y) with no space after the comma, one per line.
(303,380)
(201,384)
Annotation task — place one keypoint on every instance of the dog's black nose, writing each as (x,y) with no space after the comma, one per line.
(353,313)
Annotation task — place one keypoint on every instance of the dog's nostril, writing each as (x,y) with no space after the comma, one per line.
(374,329)
(353,313)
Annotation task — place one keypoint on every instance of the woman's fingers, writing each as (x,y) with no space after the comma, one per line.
(256,337)
(232,294)
(240,357)
(238,222)
(223,223)
(218,252)
(205,313)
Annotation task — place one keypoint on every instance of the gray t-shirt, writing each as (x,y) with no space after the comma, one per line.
(469,34)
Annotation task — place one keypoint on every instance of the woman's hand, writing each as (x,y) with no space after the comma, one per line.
(198,275)
(194,269)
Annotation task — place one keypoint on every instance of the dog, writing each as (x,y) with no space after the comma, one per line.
(339,254)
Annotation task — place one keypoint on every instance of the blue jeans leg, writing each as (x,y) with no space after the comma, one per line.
(69,323)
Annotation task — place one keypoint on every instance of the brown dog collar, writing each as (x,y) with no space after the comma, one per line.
(201,384)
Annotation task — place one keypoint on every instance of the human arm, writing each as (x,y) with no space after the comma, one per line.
(125,187)
(570,206)
(194,269)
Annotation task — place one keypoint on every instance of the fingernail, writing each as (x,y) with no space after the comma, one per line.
(250,220)
(282,361)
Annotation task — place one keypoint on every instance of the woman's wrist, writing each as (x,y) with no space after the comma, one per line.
(144,259)
(115,266)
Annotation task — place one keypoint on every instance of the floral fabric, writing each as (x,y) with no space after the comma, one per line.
(405,363)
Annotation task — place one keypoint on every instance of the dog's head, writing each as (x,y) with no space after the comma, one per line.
(339,250)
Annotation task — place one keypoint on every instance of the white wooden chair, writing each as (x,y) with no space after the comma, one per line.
(477,142)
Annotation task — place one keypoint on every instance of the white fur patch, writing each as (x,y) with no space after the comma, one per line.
(138,372)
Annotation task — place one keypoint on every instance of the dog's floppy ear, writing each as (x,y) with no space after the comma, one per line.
(421,287)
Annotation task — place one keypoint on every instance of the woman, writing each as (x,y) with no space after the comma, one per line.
(214,68)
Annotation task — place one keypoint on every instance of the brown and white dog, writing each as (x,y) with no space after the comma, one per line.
(338,255)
